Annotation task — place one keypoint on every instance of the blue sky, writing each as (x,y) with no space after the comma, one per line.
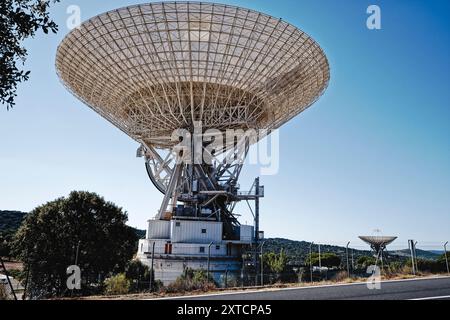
(373,152)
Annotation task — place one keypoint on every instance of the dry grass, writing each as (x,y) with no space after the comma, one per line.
(343,280)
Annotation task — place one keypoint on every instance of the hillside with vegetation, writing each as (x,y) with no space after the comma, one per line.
(297,251)
(421,254)
(11,220)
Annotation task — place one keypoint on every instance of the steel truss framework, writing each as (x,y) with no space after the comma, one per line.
(153,68)
(209,189)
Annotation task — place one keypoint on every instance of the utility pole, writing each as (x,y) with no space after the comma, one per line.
(310,261)
(348,266)
(446,259)
(152,270)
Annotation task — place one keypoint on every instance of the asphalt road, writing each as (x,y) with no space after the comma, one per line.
(423,289)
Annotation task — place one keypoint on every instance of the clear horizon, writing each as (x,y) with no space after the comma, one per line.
(372,153)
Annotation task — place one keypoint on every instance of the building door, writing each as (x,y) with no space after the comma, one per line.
(168,248)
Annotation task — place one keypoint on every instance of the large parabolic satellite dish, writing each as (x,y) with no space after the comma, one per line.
(157,67)
(378,242)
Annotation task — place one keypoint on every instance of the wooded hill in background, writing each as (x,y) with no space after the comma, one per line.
(297,251)
(11,220)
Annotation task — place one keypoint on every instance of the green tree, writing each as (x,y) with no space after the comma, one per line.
(276,267)
(276,262)
(364,261)
(19,20)
(327,259)
(49,237)
(138,274)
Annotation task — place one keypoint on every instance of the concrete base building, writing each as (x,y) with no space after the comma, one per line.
(183,243)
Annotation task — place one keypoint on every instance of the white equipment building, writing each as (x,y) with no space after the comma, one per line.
(181,244)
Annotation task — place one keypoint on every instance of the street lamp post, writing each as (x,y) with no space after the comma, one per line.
(446,259)
(310,261)
(348,266)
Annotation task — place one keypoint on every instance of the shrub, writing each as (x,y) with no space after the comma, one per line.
(138,274)
(231,279)
(327,259)
(118,284)
(395,267)
(425,265)
(407,269)
(158,285)
(340,276)
(17,274)
(441,261)
(191,280)
(199,276)
(364,261)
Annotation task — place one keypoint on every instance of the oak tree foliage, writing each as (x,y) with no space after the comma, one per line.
(19,20)
(48,239)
